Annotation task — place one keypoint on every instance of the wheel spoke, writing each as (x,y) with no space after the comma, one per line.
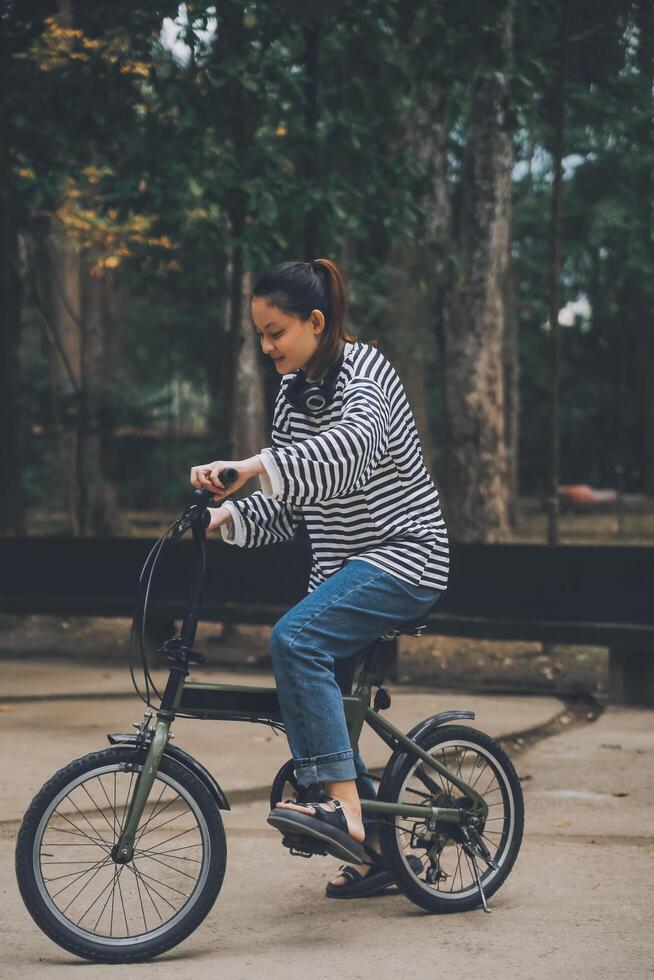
(180,835)
(147,889)
(142,831)
(94,829)
(138,888)
(77,874)
(158,882)
(107,900)
(120,895)
(458,864)
(112,807)
(101,812)
(149,850)
(149,857)
(97,898)
(98,841)
(482,770)
(139,874)
(104,864)
(471,869)
(163,823)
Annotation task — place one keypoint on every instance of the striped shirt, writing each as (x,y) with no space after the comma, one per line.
(355,475)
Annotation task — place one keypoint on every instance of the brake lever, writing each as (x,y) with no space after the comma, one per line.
(201,501)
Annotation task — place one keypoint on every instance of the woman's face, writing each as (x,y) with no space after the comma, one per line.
(290,342)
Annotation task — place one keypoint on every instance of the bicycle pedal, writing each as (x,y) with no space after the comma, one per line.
(300,846)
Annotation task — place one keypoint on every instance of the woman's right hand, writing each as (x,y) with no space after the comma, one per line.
(219,516)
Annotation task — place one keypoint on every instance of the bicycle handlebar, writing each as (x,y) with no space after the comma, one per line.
(199,503)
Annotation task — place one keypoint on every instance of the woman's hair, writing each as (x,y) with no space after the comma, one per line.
(297,288)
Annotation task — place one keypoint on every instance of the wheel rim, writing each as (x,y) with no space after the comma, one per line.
(476,766)
(119,905)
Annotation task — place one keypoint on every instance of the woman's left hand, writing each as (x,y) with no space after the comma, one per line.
(206,476)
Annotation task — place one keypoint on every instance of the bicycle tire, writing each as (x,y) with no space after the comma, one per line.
(33,884)
(393,787)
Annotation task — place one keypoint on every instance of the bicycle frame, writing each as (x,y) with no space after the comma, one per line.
(233,702)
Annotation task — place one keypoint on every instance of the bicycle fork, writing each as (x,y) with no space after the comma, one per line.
(123,850)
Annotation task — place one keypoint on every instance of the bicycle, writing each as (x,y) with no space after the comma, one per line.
(122,853)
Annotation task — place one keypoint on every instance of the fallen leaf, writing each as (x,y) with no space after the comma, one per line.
(5,707)
(611,745)
(619,794)
(562,823)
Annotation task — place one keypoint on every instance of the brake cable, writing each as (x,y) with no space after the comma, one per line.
(197,510)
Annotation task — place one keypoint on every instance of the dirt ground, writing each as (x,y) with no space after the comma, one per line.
(436,661)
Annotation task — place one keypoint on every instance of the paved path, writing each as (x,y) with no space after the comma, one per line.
(243,757)
(578,904)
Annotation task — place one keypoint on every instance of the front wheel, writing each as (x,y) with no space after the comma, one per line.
(444,880)
(120,913)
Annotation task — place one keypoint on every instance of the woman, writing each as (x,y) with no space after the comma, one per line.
(345,457)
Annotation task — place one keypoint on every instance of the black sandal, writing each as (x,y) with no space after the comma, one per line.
(375,882)
(328,826)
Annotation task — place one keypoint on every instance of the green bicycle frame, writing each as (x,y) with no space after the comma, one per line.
(232,702)
(225,702)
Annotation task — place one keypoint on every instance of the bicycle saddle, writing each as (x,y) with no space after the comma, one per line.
(411,627)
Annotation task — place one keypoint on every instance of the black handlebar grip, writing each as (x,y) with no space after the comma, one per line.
(228,475)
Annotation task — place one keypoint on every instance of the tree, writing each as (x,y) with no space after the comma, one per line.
(474,324)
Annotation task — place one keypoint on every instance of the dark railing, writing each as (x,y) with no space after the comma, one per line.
(594,594)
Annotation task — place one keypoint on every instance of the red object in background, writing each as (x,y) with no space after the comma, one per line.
(580,495)
(577,493)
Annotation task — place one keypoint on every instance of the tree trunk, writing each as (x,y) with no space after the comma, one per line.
(407,314)
(249,414)
(99,514)
(511,400)
(12,513)
(236,112)
(62,314)
(645,292)
(311,219)
(554,280)
(477,496)
(228,353)
(415,280)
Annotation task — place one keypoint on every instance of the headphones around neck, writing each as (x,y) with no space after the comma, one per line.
(313,397)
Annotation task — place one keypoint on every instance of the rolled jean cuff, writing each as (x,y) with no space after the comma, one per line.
(335,768)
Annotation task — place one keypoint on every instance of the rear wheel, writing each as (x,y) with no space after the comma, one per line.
(120,913)
(446,879)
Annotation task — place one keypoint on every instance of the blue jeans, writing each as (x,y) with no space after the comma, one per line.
(331,626)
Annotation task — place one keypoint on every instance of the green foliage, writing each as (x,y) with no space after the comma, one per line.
(163,165)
